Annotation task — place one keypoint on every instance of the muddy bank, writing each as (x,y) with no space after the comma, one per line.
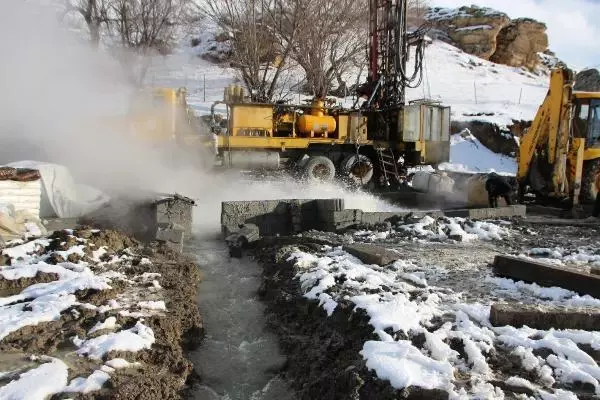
(324,360)
(125,315)
(357,331)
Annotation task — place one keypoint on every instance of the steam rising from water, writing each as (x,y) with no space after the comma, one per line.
(59,100)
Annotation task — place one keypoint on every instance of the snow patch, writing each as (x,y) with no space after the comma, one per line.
(135,339)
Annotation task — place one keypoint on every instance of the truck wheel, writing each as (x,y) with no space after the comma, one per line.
(358,168)
(320,168)
(589,191)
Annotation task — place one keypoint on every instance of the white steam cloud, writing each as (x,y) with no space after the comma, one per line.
(58,99)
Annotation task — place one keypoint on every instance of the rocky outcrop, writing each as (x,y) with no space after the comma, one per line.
(474,29)
(492,35)
(588,81)
(519,43)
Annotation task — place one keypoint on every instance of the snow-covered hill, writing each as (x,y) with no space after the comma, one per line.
(474,88)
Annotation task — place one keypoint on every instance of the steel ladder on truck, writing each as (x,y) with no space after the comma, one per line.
(388,165)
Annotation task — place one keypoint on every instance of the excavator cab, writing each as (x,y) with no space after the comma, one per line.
(587,120)
(593,137)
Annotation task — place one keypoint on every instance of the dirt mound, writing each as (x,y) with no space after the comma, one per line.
(323,352)
(137,273)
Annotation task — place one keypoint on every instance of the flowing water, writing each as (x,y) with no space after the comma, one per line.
(239,358)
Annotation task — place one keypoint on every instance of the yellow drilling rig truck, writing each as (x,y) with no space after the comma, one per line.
(369,144)
(559,156)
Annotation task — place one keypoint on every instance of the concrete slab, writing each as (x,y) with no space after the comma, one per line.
(371,254)
(545,317)
(518,210)
(546,275)
(58,224)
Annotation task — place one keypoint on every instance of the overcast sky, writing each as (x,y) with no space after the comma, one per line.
(573,25)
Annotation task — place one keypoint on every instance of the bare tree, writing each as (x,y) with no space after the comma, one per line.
(262,33)
(94,13)
(416,11)
(331,43)
(143,28)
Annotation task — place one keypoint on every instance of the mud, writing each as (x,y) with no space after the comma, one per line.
(163,369)
(323,352)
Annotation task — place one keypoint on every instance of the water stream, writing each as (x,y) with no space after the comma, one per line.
(239,357)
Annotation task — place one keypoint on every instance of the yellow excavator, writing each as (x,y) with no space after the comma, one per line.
(559,156)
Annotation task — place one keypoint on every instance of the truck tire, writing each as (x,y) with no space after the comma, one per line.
(589,191)
(358,168)
(320,169)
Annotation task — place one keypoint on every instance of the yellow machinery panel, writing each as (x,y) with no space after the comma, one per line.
(342,126)
(252,120)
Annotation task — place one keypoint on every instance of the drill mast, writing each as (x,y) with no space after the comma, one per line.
(389,42)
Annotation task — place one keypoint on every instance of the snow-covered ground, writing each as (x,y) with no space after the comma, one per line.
(467,154)
(419,327)
(39,301)
(473,87)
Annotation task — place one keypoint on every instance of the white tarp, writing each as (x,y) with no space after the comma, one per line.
(23,196)
(61,196)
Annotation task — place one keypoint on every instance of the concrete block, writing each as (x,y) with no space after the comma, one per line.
(325,208)
(372,218)
(170,232)
(371,254)
(278,217)
(545,317)
(518,210)
(176,209)
(546,275)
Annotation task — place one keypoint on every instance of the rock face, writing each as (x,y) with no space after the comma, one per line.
(588,81)
(491,35)
(519,43)
(473,29)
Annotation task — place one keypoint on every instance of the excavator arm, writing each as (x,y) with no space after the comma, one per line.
(549,136)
